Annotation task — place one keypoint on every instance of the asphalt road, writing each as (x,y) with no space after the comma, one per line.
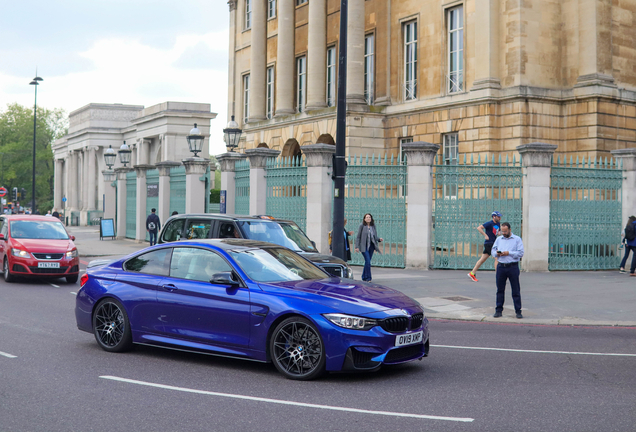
(530,378)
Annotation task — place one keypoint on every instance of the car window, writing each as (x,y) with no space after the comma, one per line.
(155,263)
(173,231)
(276,265)
(229,230)
(5,228)
(196,264)
(286,234)
(26,229)
(198,229)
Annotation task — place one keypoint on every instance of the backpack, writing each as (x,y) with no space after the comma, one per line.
(152,226)
(630,232)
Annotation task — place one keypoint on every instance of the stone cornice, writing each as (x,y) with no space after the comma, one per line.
(258,156)
(627,157)
(319,155)
(537,154)
(227,160)
(420,153)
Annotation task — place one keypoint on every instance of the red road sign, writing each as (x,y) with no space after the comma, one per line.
(3,191)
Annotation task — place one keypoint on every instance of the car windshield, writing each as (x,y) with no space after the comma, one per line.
(286,234)
(276,265)
(25,229)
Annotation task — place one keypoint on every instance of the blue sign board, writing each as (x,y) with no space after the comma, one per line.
(222,208)
(106,228)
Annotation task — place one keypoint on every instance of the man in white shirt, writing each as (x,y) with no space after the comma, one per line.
(509,250)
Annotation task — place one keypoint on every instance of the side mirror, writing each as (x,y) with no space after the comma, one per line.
(2,237)
(223,278)
(73,237)
(313,243)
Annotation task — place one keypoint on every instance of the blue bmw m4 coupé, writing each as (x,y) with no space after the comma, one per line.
(250,300)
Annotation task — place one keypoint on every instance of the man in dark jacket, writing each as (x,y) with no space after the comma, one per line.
(152,226)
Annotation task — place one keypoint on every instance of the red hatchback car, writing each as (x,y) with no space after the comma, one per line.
(37,246)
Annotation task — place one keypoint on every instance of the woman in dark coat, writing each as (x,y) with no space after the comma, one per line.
(367,242)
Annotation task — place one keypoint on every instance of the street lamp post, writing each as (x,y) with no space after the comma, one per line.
(232,135)
(195,140)
(124,154)
(35,82)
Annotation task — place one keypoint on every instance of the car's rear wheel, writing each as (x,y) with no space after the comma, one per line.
(72,279)
(297,349)
(111,326)
(8,277)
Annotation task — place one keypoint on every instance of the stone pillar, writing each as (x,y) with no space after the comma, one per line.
(595,43)
(227,161)
(317,55)
(231,92)
(487,45)
(537,160)
(285,58)
(420,157)
(355,53)
(258,61)
(258,182)
(628,199)
(164,189)
(319,193)
(110,198)
(73,189)
(142,212)
(58,188)
(121,201)
(92,186)
(195,187)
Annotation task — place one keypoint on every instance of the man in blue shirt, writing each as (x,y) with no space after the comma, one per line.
(489,230)
(509,248)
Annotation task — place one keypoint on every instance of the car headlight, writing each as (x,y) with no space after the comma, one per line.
(20,253)
(71,254)
(351,322)
(349,272)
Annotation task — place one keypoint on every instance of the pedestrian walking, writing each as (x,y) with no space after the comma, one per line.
(347,246)
(367,242)
(174,213)
(152,226)
(489,230)
(509,248)
(55,214)
(48,213)
(630,245)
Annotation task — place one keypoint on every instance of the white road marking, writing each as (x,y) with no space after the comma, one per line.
(7,355)
(535,351)
(53,285)
(284,402)
(74,293)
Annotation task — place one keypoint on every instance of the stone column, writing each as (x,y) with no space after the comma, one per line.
(80,180)
(319,193)
(110,198)
(231,92)
(487,45)
(258,183)
(84,187)
(142,212)
(317,55)
(92,186)
(73,189)
(355,53)
(164,189)
(537,158)
(227,161)
(58,188)
(65,193)
(285,58)
(420,157)
(595,43)
(195,184)
(121,201)
(258,61)
(628,191)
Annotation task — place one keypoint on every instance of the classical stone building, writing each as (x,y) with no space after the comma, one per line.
(477,77)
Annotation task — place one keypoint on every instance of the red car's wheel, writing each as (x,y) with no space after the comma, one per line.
(8,277)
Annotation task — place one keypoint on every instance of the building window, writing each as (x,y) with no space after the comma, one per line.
(331,76)
(246,98)
(299,2)
(410,61)
(270,92)
(404,141)
(248,14)
(271,9)
(369,69)
(451,157)
(301,83)
(455,26)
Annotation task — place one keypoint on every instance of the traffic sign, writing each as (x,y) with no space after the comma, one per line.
(64,199)
(3,191)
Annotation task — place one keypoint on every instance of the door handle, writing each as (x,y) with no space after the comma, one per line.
(169,287)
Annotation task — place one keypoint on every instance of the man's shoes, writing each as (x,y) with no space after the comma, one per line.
(622,270)
(473,277)
(519,316)
(497,315)
(632,274)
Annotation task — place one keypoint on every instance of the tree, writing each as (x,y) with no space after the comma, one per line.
(16,150)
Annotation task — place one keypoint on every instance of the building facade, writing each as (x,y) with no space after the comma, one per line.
(477,77)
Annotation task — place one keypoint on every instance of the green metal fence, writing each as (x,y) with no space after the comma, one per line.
(287,189)
(152,188)
(377,186)
(465,195)
(585,215)
(177,189)
(131,204)
(242,187)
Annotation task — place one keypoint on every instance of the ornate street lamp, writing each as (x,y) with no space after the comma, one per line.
(232,135)
(35,82)
(109,175)
(110,157)
(195,140)
(124,154)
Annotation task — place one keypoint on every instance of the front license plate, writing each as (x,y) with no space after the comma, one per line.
(409,339)
(48,265)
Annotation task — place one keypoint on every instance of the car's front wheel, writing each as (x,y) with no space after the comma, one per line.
(8,277)
(297,349)
(72,279)
(111,326)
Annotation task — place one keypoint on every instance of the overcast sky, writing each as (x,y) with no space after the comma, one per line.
(139,52)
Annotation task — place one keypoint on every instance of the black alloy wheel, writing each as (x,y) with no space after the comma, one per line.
(111,326)
(8,277)
(297,349)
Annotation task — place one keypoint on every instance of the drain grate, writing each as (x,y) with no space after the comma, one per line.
(457,298)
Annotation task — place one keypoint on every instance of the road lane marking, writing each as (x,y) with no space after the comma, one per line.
(535,351)
(53,285)
(284,402)
(74,293)
(7,355)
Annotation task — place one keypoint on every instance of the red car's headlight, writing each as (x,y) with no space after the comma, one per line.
(71,254)
(20,253)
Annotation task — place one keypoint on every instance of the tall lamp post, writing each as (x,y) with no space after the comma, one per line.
(124,154)
(232,135)
(35,82)
(195,140)
(109,157)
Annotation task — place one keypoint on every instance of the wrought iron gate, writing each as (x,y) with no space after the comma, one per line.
(585,215)
(465,194)
(152,197)
(177,189)
(287,189)
(131,204)
(242,187)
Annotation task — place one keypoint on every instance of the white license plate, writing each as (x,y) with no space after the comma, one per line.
(48,265)
(409,339)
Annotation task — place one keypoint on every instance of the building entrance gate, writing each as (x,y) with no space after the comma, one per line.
(242,187)
(585,215)
(131,204)
(287,189)
(466,193)
(152,193)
